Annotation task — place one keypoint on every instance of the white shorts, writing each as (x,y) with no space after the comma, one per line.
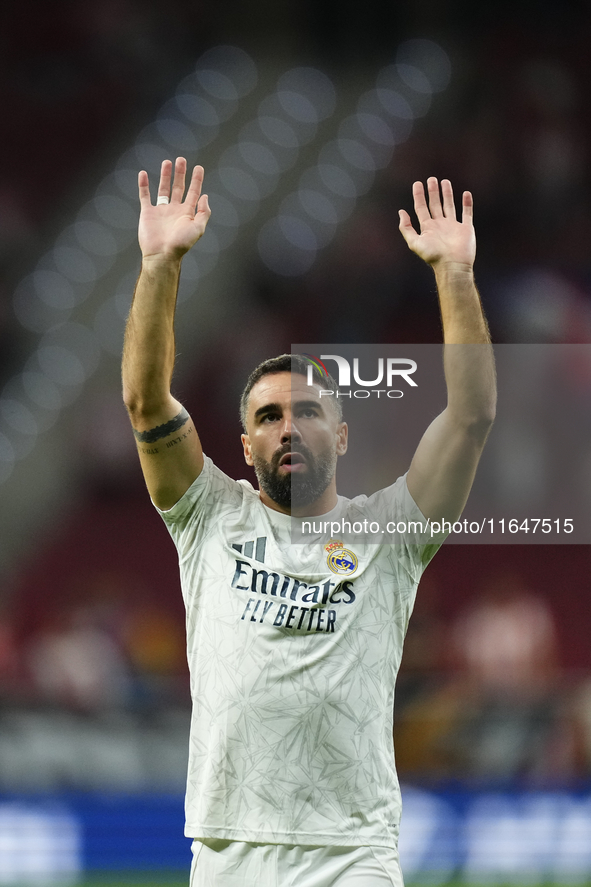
(218,863)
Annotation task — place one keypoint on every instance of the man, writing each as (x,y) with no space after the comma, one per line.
(294,649)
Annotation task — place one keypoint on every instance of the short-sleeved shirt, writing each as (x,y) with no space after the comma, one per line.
(293,653)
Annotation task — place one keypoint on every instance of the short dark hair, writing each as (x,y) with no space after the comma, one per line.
(290,363)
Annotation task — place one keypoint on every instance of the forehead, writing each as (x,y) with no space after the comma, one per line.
(281,388)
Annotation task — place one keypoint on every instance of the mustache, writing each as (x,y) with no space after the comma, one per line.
(300,448)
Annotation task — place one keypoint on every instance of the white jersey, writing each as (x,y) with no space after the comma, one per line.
(293,657)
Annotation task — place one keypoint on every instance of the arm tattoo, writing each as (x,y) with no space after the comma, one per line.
(164,430)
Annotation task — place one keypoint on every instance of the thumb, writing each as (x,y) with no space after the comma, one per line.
(406,228)
(203,205)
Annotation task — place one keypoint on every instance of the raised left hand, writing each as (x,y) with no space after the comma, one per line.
(443,240)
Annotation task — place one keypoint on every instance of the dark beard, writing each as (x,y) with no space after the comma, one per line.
(307,487)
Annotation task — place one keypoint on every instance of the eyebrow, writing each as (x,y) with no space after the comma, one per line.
(277,408)
(307,404)
(268,408)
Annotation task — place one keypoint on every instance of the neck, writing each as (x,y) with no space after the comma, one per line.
(322,505)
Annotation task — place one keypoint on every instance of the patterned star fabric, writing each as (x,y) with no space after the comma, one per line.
(293,667)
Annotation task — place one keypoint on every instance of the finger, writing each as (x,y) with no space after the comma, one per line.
(434,198)
(406,227)
(165,174)
(202,215)
(467,208)
(203,206)
(449,207)
(421,208)
(195,186)
(178,185)
(144,188)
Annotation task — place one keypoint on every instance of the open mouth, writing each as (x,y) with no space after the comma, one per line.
(292,462)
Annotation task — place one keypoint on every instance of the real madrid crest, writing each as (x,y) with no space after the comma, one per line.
(340,560)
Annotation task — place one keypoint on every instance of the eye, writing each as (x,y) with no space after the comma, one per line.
(309,413)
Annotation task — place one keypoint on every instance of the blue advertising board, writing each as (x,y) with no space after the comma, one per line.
(486,836)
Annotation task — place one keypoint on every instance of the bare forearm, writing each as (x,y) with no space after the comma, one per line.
(443,468)
(469,357)
(462,315)
(148,353)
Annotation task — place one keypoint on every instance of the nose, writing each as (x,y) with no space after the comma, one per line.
(289,432)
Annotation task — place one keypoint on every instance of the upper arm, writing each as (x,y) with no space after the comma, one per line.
(170,452)
(442,470)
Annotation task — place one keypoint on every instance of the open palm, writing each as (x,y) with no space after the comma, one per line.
(170,229)
(442,239)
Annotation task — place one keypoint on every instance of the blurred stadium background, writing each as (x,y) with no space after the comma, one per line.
(312,120)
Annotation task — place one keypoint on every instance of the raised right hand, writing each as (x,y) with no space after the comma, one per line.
(170,230)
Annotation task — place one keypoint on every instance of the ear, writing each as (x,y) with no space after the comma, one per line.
(342,438)
(247,449)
